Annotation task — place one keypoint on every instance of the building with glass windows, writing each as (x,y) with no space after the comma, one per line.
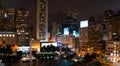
(41,31)
(7,38)
(22,27)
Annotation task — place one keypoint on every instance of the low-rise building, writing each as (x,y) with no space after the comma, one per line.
(66,40)
(7,38)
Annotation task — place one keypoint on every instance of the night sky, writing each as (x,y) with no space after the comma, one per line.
(59,8)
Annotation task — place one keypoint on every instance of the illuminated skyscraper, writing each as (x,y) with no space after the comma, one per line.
(42,20)
(22,27)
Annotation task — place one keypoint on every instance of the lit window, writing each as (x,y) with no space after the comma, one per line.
(114,51)
(17,30)
(13,35)
(23,30)
(0,35)
(27,33)
(41,18)
(6,35)
(26,37)
(5,15)
(19,33)
(117,55)
(10,35)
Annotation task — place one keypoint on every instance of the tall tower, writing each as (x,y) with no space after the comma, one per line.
(22,26)
(108,18)
(42,20)
(73,22)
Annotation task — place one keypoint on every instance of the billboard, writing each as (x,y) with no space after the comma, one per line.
(84,24)
(49,43)
(66,31)
(75,33)
(24,49)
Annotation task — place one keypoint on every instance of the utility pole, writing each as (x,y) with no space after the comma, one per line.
(31,63)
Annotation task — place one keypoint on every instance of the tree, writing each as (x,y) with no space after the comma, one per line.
(34,53)
(19,54)
(8,49)
(87,57)
(49,48)
(43,49)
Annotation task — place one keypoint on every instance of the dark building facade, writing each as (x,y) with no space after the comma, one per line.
(7,19)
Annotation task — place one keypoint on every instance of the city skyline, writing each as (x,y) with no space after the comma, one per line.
(80,32)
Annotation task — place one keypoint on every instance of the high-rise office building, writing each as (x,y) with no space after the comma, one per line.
(83,38)
(113,32)
(72,21)
(90,34)
(95,31)
(42,20)
(22,26)
(108,17)
(73,24)
(7,26)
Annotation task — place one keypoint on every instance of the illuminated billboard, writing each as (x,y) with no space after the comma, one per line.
(75,33)
(46,44)
(84,24)
(66,31)
(24,49)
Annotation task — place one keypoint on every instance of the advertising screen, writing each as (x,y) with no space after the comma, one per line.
(84,24)
(46,44)
(66,31)
(75,33)
(24,49)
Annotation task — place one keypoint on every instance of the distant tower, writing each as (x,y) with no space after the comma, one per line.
(108,18)
(108,14)
(10,19)
(91,19)
(42,20)
(72,21)
(22,26)
(91,27)
(71,17)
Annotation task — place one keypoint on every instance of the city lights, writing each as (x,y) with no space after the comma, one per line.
(58,32)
